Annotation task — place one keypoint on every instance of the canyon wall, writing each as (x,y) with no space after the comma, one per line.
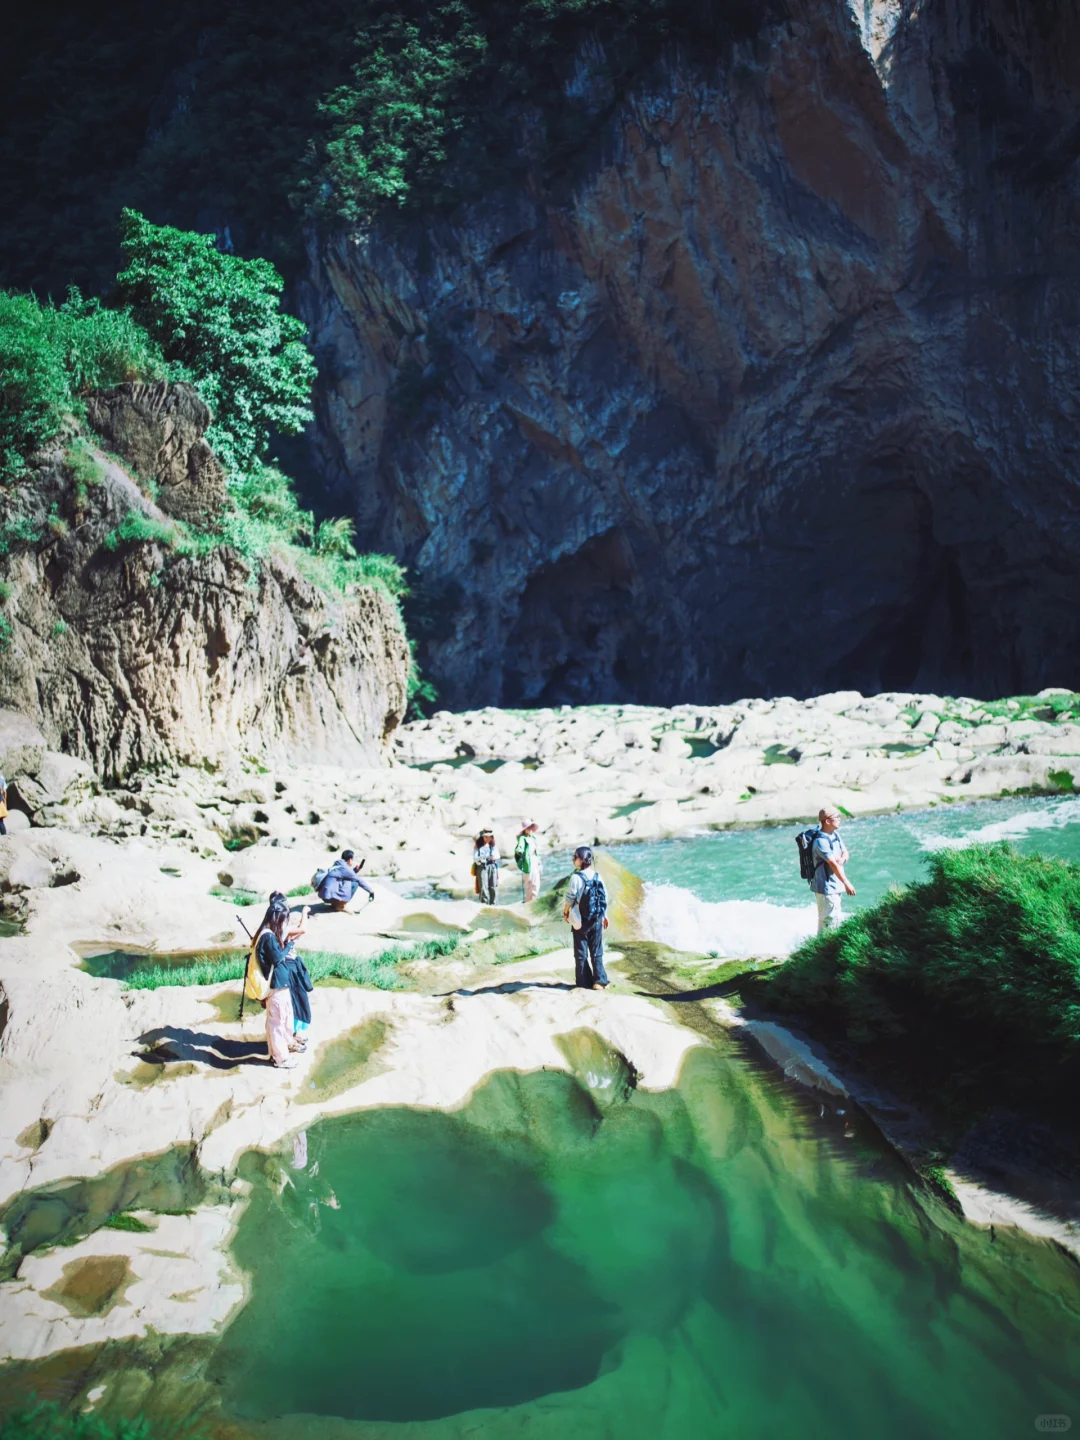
(775,392)
(130,653)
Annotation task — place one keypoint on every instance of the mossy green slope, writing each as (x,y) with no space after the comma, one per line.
(966,985)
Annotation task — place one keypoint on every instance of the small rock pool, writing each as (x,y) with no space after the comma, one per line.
(587,1258)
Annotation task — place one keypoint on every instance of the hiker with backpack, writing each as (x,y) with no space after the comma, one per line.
(585,911)
(822,857)
(527,859)
(485,868)
(273,973)
(337,886)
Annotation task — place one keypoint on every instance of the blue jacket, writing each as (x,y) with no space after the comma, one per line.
(341,883)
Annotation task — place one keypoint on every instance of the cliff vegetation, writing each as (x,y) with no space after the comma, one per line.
(211,118)
(181,310)
(165,596)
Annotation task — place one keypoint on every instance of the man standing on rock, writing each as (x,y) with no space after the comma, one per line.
(3,805)
(830,882)
(586,910)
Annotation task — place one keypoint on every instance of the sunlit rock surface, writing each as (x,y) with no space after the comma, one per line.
(126,655)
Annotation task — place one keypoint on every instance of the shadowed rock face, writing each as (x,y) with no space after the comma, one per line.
(780,394)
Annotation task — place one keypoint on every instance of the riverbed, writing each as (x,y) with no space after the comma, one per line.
(489,1204)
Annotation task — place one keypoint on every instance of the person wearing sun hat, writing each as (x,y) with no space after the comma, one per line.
(486,868)
(527,859)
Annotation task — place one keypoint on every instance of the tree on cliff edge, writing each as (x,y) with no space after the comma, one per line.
(219,317)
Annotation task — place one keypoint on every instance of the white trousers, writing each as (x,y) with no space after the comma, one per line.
(830,911)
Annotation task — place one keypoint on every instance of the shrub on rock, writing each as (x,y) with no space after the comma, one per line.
(969,980)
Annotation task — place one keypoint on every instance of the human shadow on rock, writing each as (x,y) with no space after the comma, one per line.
(168,1043)
(704,992)
(511,987)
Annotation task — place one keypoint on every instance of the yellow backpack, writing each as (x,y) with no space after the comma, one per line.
(256,985)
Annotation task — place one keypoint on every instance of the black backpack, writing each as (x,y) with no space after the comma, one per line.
(592,903)
(807,864)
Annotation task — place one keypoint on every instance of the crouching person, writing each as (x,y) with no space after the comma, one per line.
(341,882)
(586,911)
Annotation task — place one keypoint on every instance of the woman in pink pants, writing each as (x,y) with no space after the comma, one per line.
(275,963)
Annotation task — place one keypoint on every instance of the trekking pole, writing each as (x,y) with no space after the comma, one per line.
(243,973)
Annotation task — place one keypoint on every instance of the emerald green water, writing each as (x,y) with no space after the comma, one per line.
(717,1259)
(738,892)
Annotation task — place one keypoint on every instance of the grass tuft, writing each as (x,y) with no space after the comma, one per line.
(130,1223)
(378,972)
(236,896)
(135,528)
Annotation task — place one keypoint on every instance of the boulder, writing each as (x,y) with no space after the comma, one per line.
(673,746)
(22,745)
(159,430)
(58,780)
(31,872)
(102,810)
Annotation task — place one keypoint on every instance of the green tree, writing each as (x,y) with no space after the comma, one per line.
(391,125)
(50,355)
(33,385)
(219,317)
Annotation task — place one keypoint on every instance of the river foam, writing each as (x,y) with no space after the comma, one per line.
(1016,827)
(734,929)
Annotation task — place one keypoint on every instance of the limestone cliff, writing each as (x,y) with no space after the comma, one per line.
(777,392)
(128,653)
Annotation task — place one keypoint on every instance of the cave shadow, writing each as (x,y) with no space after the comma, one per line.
(512,987)
(169,1043)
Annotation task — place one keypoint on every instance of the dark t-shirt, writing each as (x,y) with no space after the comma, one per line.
(275,960)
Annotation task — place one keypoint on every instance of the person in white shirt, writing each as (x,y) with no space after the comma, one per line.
(830,882)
